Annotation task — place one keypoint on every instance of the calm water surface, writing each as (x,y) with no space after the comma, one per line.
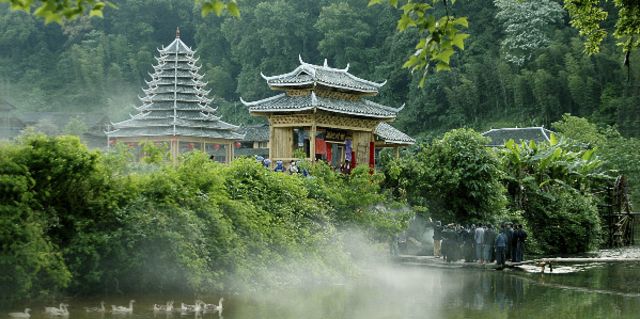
(594,291)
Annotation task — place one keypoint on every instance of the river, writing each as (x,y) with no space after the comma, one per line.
(396,291)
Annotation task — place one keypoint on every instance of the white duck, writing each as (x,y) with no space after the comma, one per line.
(122,309)
(61,311)
(24,314)
(167,308)
(214,307)
(197,307)
(96,309)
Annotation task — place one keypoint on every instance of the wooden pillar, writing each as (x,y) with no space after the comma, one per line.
(229,153)
(271,144)
(312,142)
(397,151)
(175,143)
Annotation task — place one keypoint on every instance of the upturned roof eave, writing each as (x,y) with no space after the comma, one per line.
(285,85)
(398,142)
(254,108)
(369,115)
(297,110)
(235,136)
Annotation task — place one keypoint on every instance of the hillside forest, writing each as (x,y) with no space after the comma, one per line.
(520,67)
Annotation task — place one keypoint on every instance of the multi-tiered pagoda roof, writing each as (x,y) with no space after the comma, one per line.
(175,102)
(320,87)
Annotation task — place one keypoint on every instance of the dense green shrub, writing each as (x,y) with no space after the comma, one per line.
(79,221)
(551,185)
(457,177)
(356,200)
(563,221)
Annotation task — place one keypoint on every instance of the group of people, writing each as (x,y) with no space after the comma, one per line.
(292,168)
(480,243)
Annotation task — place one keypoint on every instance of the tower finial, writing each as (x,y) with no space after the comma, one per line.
(177,32)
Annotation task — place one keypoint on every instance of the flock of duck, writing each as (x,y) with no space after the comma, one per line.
(200,307)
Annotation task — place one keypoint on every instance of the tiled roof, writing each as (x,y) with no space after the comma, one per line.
(309,75)
(256,133)
(176,131)
(175,102)
(500,136)
(285,103)
(176,47)
(391,135)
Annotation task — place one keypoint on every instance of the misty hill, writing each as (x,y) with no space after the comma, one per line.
(99,65)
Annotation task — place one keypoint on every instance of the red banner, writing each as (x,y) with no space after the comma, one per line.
(321,146)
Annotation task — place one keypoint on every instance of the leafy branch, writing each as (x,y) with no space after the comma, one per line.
(60,10)
(218,7)
(587,17)
(439,35)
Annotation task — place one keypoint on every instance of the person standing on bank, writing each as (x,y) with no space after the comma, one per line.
(520,237)
(469,248)
(479,239)
(489,242)
(437,238)
(501,245)
(510,249)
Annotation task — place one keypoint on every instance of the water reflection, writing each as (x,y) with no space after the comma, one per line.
(604,291)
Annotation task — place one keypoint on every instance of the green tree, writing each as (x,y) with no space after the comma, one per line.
(526,25)
(456,177)
(29,261)
(344,33)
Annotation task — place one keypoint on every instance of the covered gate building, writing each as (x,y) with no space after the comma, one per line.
(324,112)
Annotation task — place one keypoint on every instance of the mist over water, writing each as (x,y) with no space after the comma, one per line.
(380,288)
(396,291)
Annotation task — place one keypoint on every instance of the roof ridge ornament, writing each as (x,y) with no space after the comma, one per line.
(268,77)
(177,32)
(326,65)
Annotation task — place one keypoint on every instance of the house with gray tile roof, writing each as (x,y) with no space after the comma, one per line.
(500,136)
(255,141)
(388,135)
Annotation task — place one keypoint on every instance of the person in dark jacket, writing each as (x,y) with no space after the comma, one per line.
(501,245)
(448,243)
(469,247)
(510,249)
(520,237)
(489,242)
